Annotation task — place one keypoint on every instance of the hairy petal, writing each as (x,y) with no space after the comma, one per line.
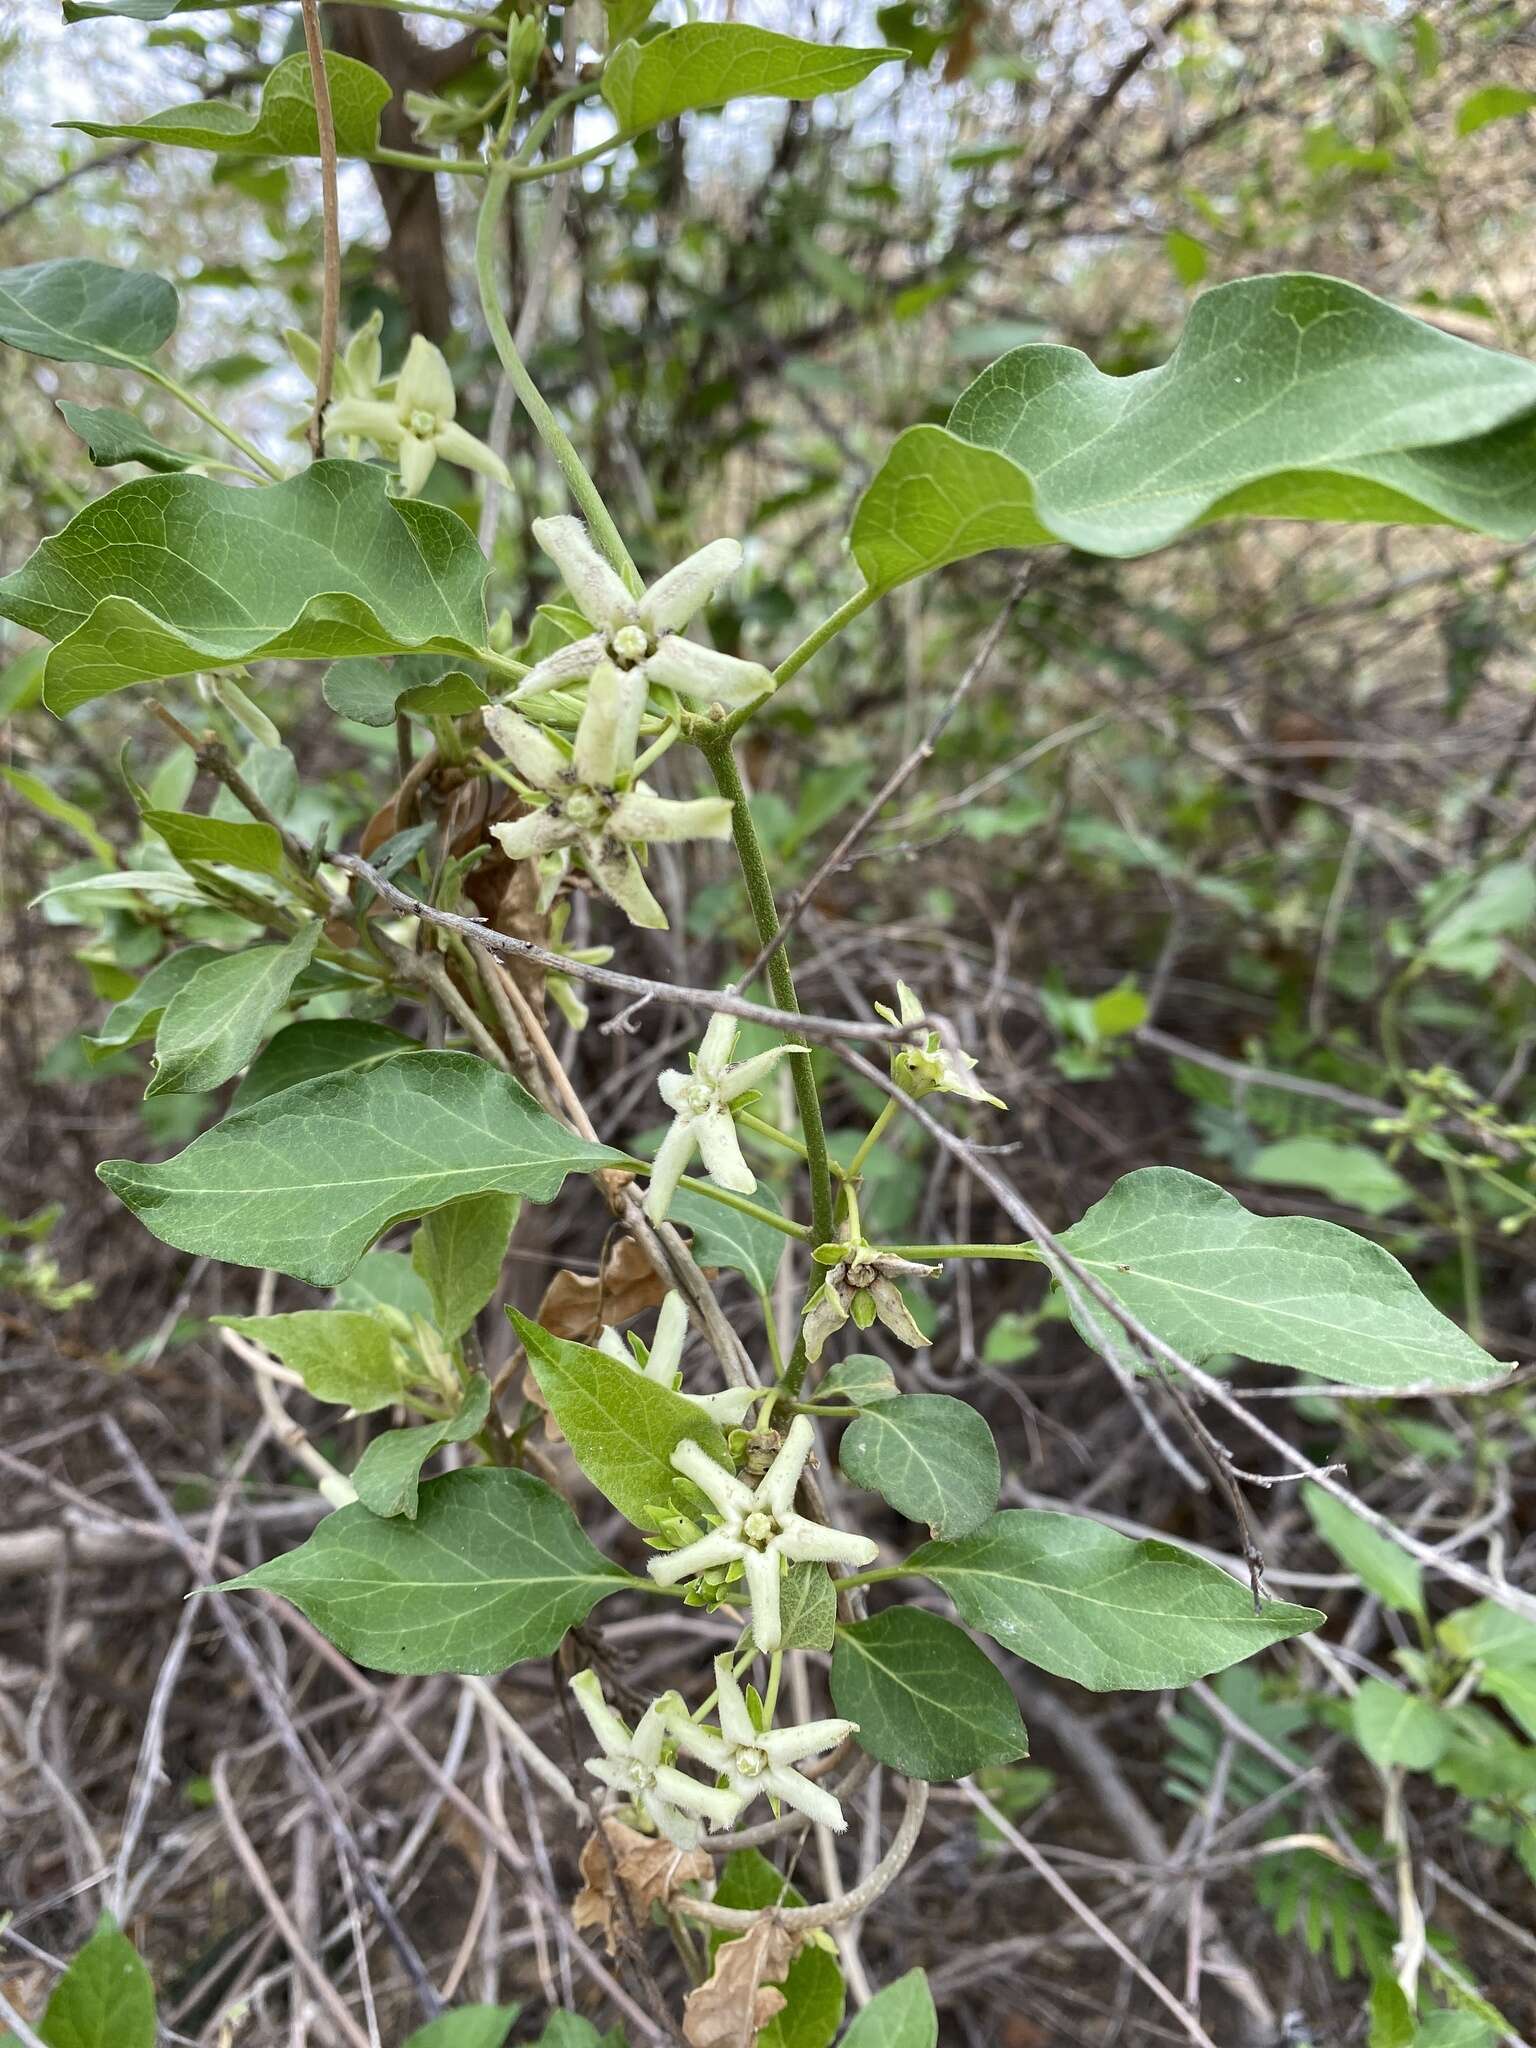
(673,1566)
(763,1575)
(539,833)
(639,815)
(417,459)
(668,1168)
(705,674)
(673,599)
(367,418)
(732,1496)
(776,1488)
(788,1745)
(424,383)
(610,726)
(810,1542)
(720,1151)
(818,1805)
(618,874)
(749,1074)
(457,444)
(532,753)
(569,664)
(595,584)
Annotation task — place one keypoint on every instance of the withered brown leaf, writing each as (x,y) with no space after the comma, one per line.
(649,1870)
(739,1997)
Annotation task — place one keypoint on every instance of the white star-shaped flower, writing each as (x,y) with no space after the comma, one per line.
(759,1528)
(642,636)
(417,425)
(585,805)
(702,1122)
(929,1069)
(631,1766)
(729,1406)
(753,1760)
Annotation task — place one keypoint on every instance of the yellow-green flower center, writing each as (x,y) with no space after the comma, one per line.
(630,643)
(750,1763)
(759,1529)
(423,424)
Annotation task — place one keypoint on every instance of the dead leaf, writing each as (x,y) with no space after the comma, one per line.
(578,1305)
(649,1870)
(738,1999)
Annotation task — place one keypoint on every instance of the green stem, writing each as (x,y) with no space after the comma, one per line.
(828,630)
(876,1133)
(741,1204)
(1466,1244)
(963,1251)
(771,1132)
(870,1578)
(209,418)
(582,488)
(754,869)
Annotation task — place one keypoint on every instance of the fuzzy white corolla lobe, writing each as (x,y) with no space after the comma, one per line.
(700,1101)
(631,1765)
(642,636)
(729,1406)
(758,1529)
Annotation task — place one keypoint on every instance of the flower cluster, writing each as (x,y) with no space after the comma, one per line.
(416,425)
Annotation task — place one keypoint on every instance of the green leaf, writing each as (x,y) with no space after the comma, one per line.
(75,311)
(1392,2021)
(1381,1566)
(813,1984)
(926,1701)
(369,693)
(104,1999)
(1352,1174)
(1492,103)
(1188,258)
(1110,1613)
(1490,1634)
(467,2026)
(860,1378)
(807,1608)
(1455,2030)
(60,809)
(1397,1727)
(254,847)
(212,1026)
(900,2016)
(1190,1262)
(388,1473)
(725,1237)
(138,1016)
(343,1355)
(1287,397)
(459,1251)
(931,1456)
(622,1428)
(324,564)
(493,1569)
(306,1180)
(316,1046)
(283,124)
(704,64)
(112,436)
(385,1280)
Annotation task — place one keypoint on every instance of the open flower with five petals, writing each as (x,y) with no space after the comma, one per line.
(417,424)
(759,1529)
(729,1406)
(702,1122)
(582,802)
(755,1760)
(631,1764)
(642,636)
(930,1068)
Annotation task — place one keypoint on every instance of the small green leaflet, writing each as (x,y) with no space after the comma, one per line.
(323,564)
(860,1379)
(250,845)
(458,1251)
(900,2016)
(1397,1727)
(305,1180)
(1115,1615)
(112,436)
(103,2000)
(926,1701)
(343,1355)
(75,311)
(1287,397)
(1490,1634)
(1381,1565)
(931,1456)
(467,2026)
(315,1046)
(1352,1174)
(1492,103)
(369,692)
(725,1237)
(704,64)
(137,1016)
(213,1025)
(47,800)
(282,125)
(385,1280)
(1207,1277)
(388,1474)
(622,1428)
(493,1569)
(807,1608)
